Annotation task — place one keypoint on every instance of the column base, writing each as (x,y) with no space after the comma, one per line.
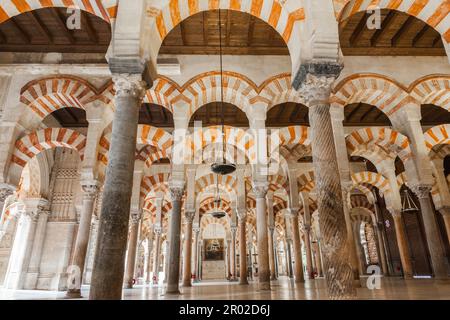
(299,280)
(172,290)
(243,282)
(187,284)
(128,286)
(273,278)
(73,294)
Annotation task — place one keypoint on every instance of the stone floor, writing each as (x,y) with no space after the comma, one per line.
(282,289)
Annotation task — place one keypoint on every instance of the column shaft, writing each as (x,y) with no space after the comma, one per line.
(262,238)
(174,242)
(108,270)
(273,275)
(156,255)
(338,270)
(196,256)
(446,218)
(82,240)
(298,270)
(432,232)
(403,248)
(233,253)
(309,260)
(131,254)
(187,273)
(243,251)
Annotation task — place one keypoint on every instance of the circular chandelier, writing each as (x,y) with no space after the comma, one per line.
(221,166)
(408,205)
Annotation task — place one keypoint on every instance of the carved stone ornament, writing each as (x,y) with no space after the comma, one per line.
(90,189)
(260,190)
(129,85)
(157,230)
(189,215)
(5,192)
(422,191)
(135,217)
(326,69)
(176,193)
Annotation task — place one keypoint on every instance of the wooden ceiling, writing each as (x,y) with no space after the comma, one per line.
(155,115)
(400,34)
(71,117)
(210,115)
(45,30)
(242,34)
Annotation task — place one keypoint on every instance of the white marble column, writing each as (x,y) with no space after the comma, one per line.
(196,231)
(262,237)
(132,249)
(82,241)
(233,253)
(187,264)
(156,254)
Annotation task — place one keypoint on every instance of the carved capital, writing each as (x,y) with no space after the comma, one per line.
(260,190)
(189,216)
(233,230)
(129,85)
(422,191)
(319,69)
(135,217)
(157,230)
(90,189)
(5,192)
(196,229)
(176,193)
(242,216)
(292,212)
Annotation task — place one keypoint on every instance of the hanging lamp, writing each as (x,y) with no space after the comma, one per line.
(217,201)
(221,166)
(408,205)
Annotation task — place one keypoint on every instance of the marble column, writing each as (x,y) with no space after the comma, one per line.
(250,259)
(298,270)
(431,231)
(82,241)
(108,270)
(445,211)
(309,260)
(402,242)
(359,249)
(150,249)
(196,253)
(273,275)
(132,250)
(242,249)
(381,249)
(233,253)
(228,254)
(36,251)
(156,254)
(262,237)
(176,193)
(289,270)
(187,264)
(318,259)
(316,88)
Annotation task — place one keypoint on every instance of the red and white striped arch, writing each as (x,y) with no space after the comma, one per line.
(433,90)
(371,89)
(236,137)
(105,9)
(47,95)
(207,219)
(283,18)
(433,12)
(371,178)
(209,205)
(157,137)
(306,181)
(386,138)
(155,183)
(206,88)
(162,93)
(437,135)
(229,182)
(290,136)
(32,144)
(278,90)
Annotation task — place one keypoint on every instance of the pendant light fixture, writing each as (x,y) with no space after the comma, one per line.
(408,205)
(221,166)
(217,213)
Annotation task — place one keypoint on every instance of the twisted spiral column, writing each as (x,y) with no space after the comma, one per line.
(109,261)
(338,271)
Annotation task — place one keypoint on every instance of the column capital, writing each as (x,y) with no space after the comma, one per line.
(129,85)
(189,215)
(176,189)
(260,190)
(5,191)
(157,230)
(242,215)
(90,188)
(422,191)
(135,216)
(196,229)
(292,212)
(233,229)
(315,80)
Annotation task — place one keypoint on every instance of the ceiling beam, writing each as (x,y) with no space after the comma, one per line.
(403,29)
(22,33)
(205,28)
(228,29)
(350,115)
(40,26)
(419,35)
(387,21)
(359,30)
(3,38)
(63,27)
(86,23)
(251,28)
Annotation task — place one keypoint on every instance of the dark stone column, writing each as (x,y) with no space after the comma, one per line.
(176,193)
(132,250)
(109,261)
(431,231)
(242,249)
